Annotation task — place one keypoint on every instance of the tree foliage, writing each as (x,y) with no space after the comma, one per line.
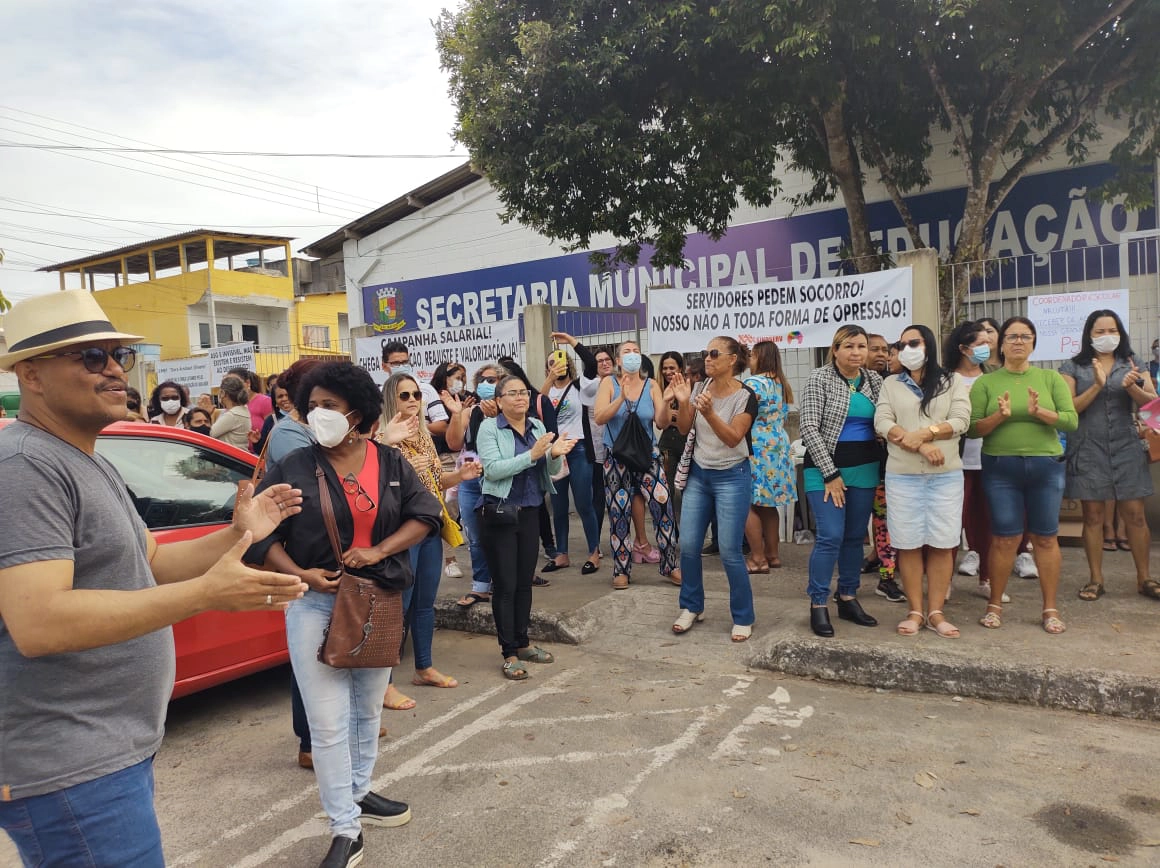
(641,120)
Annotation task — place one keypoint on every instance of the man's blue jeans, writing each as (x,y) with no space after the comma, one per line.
(470,494)
(724,495)
(103,823)
(839,541)
(343,706)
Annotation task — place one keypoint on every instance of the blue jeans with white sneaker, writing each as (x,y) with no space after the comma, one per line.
(725,495)
(343,707)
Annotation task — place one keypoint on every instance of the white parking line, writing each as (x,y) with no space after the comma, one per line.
(414,766)
(290,802)
(663,755)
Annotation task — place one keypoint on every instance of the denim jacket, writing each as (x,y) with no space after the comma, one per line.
(497,453)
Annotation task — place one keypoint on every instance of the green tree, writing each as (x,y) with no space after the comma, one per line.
(646,119)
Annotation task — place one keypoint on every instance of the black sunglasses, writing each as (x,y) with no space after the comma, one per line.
(913,343)
(362,500)
(713,354)
(96,359)
(406,396)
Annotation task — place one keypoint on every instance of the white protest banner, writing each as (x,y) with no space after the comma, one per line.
(801,313)
(471,346)
(193,373)
(229,356)
(1059,319)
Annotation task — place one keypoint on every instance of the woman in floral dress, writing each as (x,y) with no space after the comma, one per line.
(774,483)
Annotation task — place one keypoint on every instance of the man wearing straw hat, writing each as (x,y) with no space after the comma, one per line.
(87,597)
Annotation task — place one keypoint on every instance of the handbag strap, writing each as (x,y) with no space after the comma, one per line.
(328,513)
(260,467)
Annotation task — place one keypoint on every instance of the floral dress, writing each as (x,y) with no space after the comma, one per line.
(774,482)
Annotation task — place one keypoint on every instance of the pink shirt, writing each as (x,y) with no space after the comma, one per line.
(260,406)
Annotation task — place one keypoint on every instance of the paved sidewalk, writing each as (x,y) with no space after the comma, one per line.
(1107,662)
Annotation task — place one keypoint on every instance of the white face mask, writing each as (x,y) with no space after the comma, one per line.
(170,408)
(455,386)
(1106,343)
(329,426)
(912,358)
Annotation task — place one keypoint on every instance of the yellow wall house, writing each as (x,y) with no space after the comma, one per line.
(201,289)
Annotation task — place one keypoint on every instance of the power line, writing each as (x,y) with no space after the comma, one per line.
(327,155)
(312,192)
(48,244)
(313,206)
(193,224)
(109,141)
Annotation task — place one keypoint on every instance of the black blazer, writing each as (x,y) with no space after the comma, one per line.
(401,496)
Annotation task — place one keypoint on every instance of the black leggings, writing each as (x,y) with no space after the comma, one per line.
(511,551)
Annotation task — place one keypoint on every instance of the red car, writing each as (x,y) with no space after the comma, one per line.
(184,485)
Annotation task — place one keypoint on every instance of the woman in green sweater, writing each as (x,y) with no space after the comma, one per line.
(1017,410)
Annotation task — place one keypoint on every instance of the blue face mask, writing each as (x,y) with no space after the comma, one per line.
(485,390)
(980,355)
(630,362)
(402,369)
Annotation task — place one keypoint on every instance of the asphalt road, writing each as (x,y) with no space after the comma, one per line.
(609,759)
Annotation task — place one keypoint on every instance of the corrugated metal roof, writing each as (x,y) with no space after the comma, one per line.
(409,203)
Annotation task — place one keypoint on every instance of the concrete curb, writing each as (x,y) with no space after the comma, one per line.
(1099,692)
(570,629)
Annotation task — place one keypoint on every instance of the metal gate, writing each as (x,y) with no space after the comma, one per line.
(598,328)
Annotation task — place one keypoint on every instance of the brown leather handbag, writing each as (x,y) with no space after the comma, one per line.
(366,626)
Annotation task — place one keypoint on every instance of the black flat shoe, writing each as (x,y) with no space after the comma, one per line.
(851,610)
(552,566)
(343,853)
(589,568)
(820,621)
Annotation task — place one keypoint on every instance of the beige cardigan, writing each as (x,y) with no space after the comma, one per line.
(898,405)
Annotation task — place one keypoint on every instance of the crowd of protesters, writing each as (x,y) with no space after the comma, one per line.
(924,446)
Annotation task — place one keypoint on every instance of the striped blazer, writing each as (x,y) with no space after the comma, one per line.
(824,405)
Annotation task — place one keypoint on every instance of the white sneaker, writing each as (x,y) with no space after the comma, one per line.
(984,591)
(1025,566)
(969,565)
(452,570)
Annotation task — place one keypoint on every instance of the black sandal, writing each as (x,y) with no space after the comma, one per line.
(539,582)
(589,568)
(1149,589)
(472,599)
(1092,591)
(552,566)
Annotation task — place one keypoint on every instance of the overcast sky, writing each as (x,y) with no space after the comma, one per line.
(349,76)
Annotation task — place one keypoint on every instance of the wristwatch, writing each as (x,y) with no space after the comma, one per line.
(934,431)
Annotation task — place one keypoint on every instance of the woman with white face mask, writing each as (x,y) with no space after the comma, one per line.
(1105,460)
(922,412)
(617,399)
(968,351)
(168,404)
(381,510)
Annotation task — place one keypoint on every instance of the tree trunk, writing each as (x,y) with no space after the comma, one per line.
(848,170)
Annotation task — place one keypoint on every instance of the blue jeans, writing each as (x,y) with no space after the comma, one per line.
(723,495)
(839,541)
(419,599)
(1023,485)
(579,479)
(102,823)
(470,494)
(343,707)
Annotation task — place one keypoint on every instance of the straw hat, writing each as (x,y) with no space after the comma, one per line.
(57,319)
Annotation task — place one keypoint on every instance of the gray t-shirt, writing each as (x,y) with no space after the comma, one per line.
(708,450)
(70,718)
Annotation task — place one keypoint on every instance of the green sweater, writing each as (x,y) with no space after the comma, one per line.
(1021,434)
